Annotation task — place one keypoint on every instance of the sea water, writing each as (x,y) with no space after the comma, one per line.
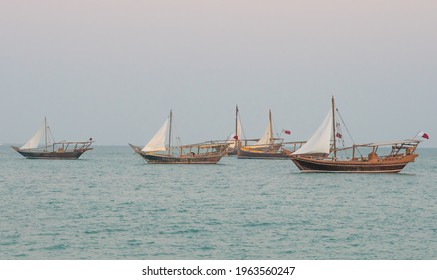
(111,204)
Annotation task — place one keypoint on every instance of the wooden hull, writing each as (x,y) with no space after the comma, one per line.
(153,158)
(135,148)
(258,154)
(386,165)
(162,159)
(277,156)
(75,154)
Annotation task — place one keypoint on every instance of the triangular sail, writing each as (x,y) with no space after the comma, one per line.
(157,143)
(320,142)
(35,140)
(266,139)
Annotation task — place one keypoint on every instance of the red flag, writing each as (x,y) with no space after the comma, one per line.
(235,137)
(423,134)
(287,132)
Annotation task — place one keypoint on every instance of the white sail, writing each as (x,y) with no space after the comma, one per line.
(157,143)
(320,142)
(266,139)
(35,140)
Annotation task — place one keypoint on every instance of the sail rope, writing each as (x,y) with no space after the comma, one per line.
(348,132)
(275,134)
(51,134)
(176,139)
(243,135)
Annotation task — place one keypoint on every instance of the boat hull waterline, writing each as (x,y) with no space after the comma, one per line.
(348,166)
(51,155)
(161,159)
(248,154)
(153,158)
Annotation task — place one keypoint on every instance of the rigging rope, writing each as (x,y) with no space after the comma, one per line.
(50,131)
(350,135)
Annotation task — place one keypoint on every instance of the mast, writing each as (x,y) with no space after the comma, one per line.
(45,133)
(333,127)
(270,126)
(169,133)
(236,127)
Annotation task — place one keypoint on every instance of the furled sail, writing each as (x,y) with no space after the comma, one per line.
(234,138)
(320,142)
(157,143)
(240,133)
(35,140)
(239,129)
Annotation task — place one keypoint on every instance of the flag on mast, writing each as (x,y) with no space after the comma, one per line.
(423,134)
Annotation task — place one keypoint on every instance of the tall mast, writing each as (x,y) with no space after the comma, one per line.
(236,127)
(333,127)
(270,126)
(45,133)
(169,133)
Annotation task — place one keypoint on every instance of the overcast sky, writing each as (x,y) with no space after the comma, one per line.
(112,70)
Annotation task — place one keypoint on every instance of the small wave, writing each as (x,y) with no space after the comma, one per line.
(157,210)
(187,231)
(265,224)
(134,242)
(7,243)
(107,230)
(56,247)
(208,248)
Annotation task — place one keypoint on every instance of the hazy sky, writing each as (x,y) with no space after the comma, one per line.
(112,70)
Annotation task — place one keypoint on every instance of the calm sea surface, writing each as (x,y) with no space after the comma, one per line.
(110,204)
